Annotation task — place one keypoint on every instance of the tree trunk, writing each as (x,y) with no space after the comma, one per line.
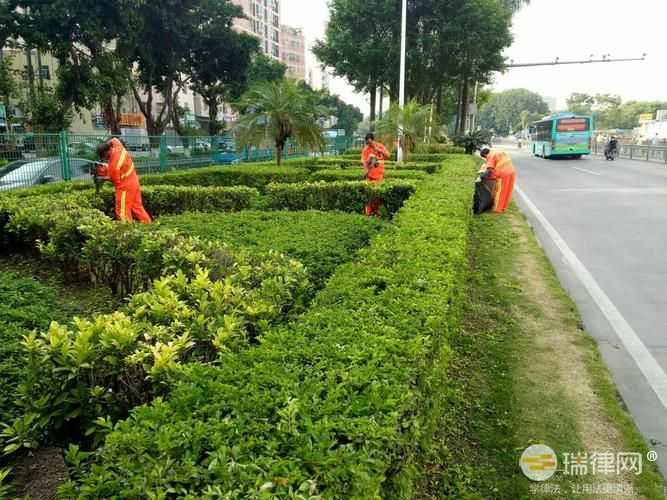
(465,105)
(111,118)
(438,105)
(373,91)
(457,125)
(280,147)
(213,124)
(381,101)
(39,71)
(31,73)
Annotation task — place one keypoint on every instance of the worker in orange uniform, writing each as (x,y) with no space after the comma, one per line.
(500,169)
(372,158)
(122,174)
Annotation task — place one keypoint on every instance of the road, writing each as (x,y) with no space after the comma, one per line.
(604,227)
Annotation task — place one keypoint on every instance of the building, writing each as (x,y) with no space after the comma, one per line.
(263,21)
(293,52)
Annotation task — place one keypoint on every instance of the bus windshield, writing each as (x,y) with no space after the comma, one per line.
(573,125)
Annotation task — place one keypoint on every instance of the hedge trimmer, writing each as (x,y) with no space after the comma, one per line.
(98,179)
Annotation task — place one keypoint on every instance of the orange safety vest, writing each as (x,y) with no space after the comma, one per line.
(121,169)
(381,153)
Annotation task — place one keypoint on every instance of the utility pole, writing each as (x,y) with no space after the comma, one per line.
(558,62)
(401,98)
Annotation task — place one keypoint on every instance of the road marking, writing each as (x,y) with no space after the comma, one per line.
(644,360)
(586,171)
(613,190)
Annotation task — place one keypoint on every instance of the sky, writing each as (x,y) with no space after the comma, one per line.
(547,29)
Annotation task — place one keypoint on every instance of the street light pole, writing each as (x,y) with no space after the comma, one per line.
(401,97)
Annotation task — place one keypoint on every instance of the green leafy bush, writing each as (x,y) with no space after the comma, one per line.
(320,240)
(355,164)
(80,378)
(167,200)
(256,176)
(25,304)
(348,174)
(438,149)
(345,196)
(338,404)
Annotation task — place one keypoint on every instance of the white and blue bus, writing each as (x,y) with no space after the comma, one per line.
(562,135)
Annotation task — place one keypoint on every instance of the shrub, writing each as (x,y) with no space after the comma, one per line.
(346,196)
(80,378)
(256,176)
(168,200)
(25,304)
(335,406)
(438,149)
(349,174)
(330,163)
(320,240)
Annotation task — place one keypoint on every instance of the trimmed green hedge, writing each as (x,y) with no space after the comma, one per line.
(349,196)
(339,404)
(162,200)
(349,174)
(321,241)
(256,176)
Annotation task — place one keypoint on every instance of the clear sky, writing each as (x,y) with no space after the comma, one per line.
(569,29)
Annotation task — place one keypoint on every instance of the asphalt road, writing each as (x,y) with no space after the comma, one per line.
(604,227)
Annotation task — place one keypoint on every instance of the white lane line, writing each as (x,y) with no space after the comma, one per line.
(586,171)
(644,360)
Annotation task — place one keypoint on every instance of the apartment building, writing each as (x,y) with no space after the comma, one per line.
(293,53)
(263,21)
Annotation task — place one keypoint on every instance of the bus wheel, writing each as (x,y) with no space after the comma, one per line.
(576,157)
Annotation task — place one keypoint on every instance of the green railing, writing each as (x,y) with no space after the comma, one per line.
(31,159)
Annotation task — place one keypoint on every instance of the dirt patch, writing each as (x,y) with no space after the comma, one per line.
(38,474)
(558,343)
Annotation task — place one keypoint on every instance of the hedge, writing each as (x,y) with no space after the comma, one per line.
(348,174)
(256,176)
(330,163)
(337,405)
(167,200)
(321,241)
(349,196)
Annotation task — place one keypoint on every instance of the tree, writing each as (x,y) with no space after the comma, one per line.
(265,69)
(503,112)
(610,112)
(412,122)
(347,116)
(277,112)
(220,62)
(44,112)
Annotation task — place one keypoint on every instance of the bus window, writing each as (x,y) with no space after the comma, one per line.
(573,125)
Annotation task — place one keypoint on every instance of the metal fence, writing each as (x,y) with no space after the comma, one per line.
(657,154)
(32,159)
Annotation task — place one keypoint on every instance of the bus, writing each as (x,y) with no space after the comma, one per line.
(563,135)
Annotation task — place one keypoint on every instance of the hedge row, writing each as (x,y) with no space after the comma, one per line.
(349,196)
(348,174)
(79,379)
(321,241)
(337,405)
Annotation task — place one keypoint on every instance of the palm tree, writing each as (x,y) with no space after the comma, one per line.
(414,121)
(278,111)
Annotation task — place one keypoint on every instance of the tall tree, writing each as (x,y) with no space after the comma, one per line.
(411,123)
(220,61)
(265,69)
(277,112)
(503,112)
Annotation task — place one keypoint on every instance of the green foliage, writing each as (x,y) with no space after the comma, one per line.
(321,241)
(25,305)
(412,121)
(265,69)
(438,149)
(347,196)
(350,174)
(503,113)
(429,163)
(276,112)
(473,141)
(96,370)
(255,176)
(610,112)
(337,404)
(45,112)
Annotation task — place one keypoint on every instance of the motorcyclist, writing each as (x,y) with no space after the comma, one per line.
(612,147)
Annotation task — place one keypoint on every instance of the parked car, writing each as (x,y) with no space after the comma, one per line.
(27,173)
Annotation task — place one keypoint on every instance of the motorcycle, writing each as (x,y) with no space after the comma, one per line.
(610,152)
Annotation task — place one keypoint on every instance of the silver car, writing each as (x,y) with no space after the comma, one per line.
(27,173)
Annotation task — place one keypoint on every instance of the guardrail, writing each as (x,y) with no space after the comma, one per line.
(656,154)
(31,159)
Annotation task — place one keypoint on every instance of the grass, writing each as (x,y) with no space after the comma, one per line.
(320,240)
(523,372)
